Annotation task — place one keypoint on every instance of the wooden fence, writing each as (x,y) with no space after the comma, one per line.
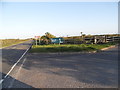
(94,39)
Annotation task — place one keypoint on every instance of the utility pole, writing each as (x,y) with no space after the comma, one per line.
(81,36)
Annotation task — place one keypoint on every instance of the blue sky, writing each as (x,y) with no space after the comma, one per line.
(27,19)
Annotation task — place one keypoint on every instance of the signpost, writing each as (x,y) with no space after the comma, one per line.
(36,38)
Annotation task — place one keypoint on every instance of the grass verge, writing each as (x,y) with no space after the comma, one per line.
(9,42)
(68,48)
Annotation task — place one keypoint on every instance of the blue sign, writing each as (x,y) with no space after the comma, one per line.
(57,40)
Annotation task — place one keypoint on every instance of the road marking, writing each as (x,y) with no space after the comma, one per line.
(15,64)
(1,81)
(18,71)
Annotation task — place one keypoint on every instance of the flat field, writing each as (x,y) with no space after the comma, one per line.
(9,42)
(68,47)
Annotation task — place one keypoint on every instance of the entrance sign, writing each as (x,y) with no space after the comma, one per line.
(36,37)
(57,40)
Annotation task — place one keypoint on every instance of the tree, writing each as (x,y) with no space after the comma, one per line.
(49,35)
(83,35)
(45,39)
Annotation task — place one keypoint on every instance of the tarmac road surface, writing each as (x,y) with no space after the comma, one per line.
(85,70)
(11,54)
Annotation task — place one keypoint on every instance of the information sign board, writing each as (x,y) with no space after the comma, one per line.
(57,40)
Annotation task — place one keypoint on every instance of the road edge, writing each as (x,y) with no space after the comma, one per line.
(95,51)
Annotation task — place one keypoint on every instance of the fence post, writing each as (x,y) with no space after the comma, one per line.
(95,40)
(36,41)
